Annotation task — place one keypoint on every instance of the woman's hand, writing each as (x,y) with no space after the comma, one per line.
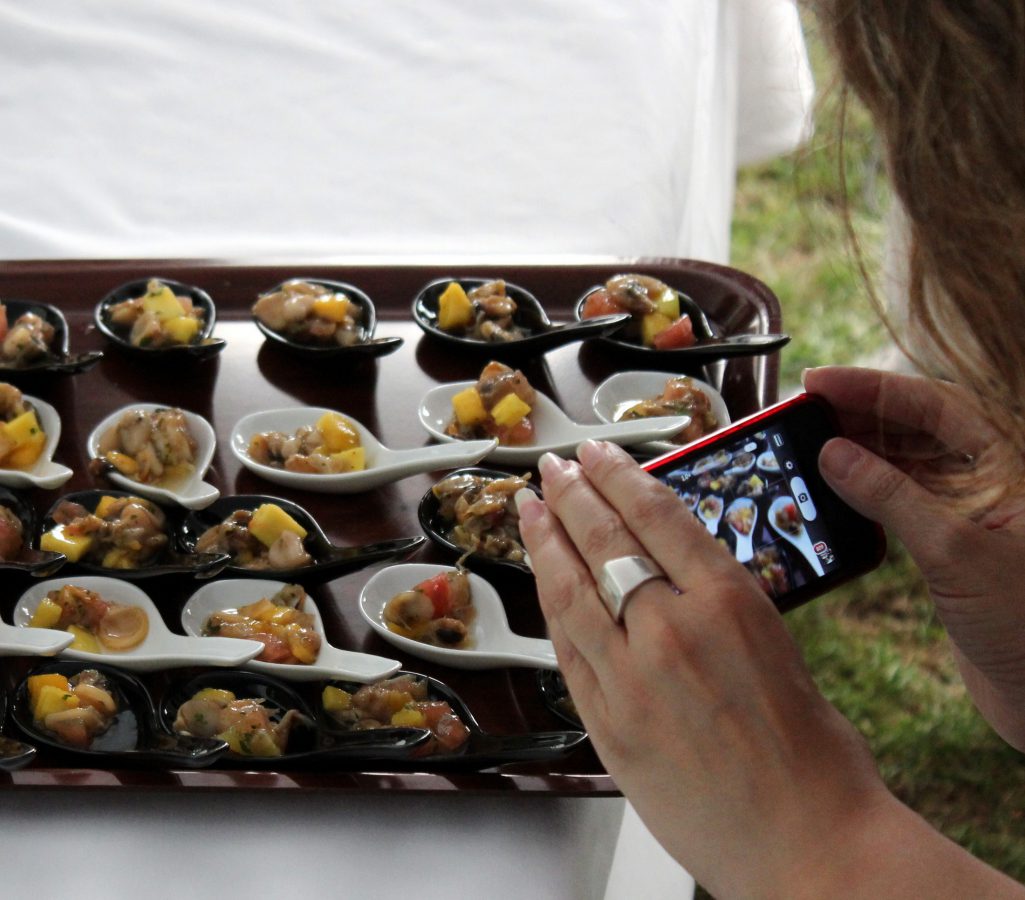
(700,707)
(908,438)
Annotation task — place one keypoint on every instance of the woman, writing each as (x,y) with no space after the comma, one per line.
(699,704)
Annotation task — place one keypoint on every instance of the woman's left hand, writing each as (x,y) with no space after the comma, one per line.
(698,703)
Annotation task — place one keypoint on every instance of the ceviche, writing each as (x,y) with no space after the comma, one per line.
(436,611)
(330,446)
(25,340)
(246,724)
(655,308)
(151,447)
(98,625)
(681,397)
(480,514)
(22,438)
(74,710)
(119,533)
(402,701)
(288,634)
(158,318)
(264,538)
(311,314)
(484,313)
(497,406)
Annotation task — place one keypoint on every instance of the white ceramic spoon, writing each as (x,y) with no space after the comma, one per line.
(192,492)
(37,642)
(383,465)
(617,393)
(745,551)
(332,662)
(492,644)
(800,540)
(45,474)
(161,648)
(711,520)
(554,431)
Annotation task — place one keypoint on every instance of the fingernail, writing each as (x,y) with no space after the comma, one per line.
(838,457)
(551,466)
(528,505)
(591,452)
(804,375)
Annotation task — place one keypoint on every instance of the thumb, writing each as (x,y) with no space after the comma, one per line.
(882,492)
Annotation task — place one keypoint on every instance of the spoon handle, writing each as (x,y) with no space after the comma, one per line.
(524,651)
(635,429)
(439,456)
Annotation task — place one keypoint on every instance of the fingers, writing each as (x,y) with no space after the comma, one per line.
(874,405)
(577,619)
(657,519)
(881,491)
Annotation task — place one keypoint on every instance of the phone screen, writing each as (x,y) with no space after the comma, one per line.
(752,496)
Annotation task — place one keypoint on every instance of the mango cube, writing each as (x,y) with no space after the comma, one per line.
(334,699)
(25,455)
(352,460)
(408,717)
(336,308)
(469,408)
(455,310)
(123,463)
(52,699)
(160,300)
(118,558)
(84,640)
(509,411)
(250,743)
(653,324)
(668,305)
(215,695)
(47,614)
(37,682)
(269,521)
(338,432)
(73,546)
(105,505)
(182,329)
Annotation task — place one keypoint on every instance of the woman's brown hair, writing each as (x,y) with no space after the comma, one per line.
(944,81)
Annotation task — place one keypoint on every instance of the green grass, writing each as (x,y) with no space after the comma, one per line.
(874,647)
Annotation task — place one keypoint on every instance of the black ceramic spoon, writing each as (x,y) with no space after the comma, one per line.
(59,361)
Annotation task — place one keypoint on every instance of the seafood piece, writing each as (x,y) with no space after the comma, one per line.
(12,535)
(310,314)
(249,728)
(498,406)
(24,341)
(159,318)
(680,397)
(264,538)
(288,634)
(120,533)
(402,701)
(482,515)
(436,611)
(655,308)
(484,313)
(331,446)
(22,438)
(153,447)
(97,624)
(767,566)
(74,710)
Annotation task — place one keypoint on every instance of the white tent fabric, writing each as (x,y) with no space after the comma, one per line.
(257,129)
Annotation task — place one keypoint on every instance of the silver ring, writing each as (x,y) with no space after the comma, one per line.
(622,576)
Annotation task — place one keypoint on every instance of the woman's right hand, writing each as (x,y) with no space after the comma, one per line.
(900,430)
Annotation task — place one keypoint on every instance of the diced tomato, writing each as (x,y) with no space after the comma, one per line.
(437,589)
(516,435)
(275,650)
(600,303)
(679,334)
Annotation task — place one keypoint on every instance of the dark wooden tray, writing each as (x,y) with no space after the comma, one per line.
(251,375)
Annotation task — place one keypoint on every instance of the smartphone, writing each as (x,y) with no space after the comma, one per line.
(755,485)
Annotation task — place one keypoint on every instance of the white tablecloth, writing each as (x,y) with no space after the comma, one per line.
(256,128)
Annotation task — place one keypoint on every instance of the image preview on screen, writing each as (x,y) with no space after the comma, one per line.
(752,496)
